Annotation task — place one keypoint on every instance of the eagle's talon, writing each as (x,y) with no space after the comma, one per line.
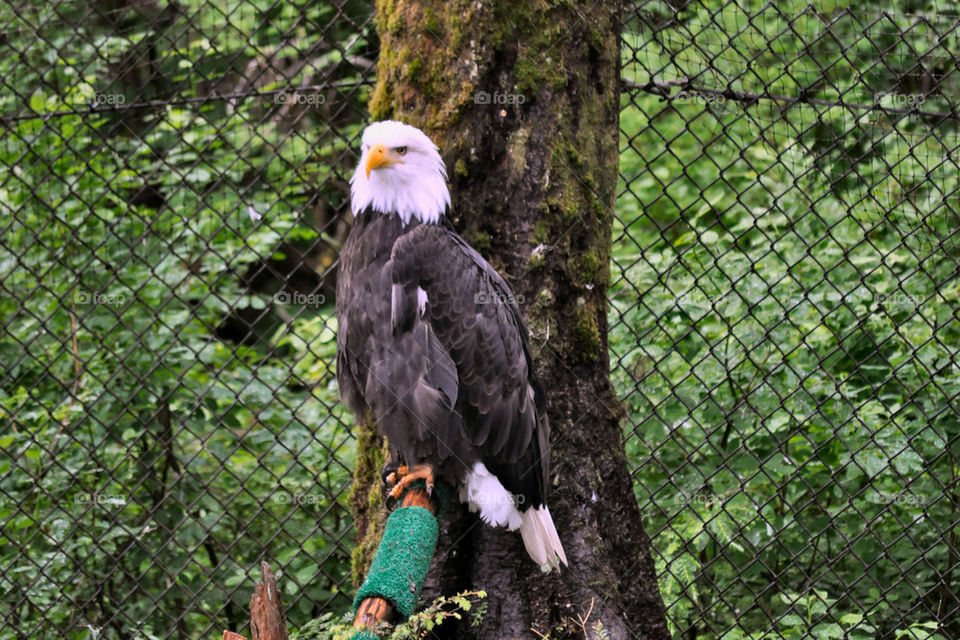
(391,473)
(409,476)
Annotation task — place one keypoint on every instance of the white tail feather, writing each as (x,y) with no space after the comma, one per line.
(541,539)
(482,491)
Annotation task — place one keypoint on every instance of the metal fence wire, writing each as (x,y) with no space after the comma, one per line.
(783,312)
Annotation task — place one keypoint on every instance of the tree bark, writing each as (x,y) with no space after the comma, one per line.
(523,100)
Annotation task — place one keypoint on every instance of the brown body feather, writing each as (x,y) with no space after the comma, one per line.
(453,384)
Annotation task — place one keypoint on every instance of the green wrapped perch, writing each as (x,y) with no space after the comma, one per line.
(402,560)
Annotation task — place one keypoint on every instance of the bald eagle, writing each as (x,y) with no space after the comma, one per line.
(431,344)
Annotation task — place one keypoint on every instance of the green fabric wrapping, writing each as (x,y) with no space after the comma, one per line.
(402,559)
(364,635)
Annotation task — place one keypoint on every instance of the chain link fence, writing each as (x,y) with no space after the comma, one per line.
(783,312)
(174,191)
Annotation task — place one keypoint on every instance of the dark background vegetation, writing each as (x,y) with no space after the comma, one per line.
(783,324)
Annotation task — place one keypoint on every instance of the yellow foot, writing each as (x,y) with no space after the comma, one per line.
(407,477)
(393,476)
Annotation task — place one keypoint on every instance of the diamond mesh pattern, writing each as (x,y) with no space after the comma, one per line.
(783,328)
(174,183)
(782,315)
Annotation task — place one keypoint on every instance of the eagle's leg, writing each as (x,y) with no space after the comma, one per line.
(407,476)
(393,471)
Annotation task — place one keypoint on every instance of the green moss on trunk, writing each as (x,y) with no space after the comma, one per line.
(366,500)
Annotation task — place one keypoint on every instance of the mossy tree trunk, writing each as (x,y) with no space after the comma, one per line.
(523,100)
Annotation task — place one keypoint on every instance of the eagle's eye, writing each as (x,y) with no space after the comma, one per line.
(401,151)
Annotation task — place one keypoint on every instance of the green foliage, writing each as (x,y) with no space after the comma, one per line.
(149,465)
(420,624)
(469,605)
(782,328)
(783,320)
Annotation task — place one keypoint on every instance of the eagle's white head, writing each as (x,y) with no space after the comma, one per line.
(400,172)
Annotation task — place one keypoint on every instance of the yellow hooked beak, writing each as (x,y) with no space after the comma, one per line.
(378,157)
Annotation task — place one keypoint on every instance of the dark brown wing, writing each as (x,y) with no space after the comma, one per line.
(405,381)
(472,312)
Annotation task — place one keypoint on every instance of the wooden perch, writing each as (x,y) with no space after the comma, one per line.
(372,611)
(267,620)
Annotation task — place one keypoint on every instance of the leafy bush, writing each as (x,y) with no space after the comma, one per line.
(783,345)
(783,316)
(148,465)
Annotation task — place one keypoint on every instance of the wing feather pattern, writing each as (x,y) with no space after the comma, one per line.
(472,313)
